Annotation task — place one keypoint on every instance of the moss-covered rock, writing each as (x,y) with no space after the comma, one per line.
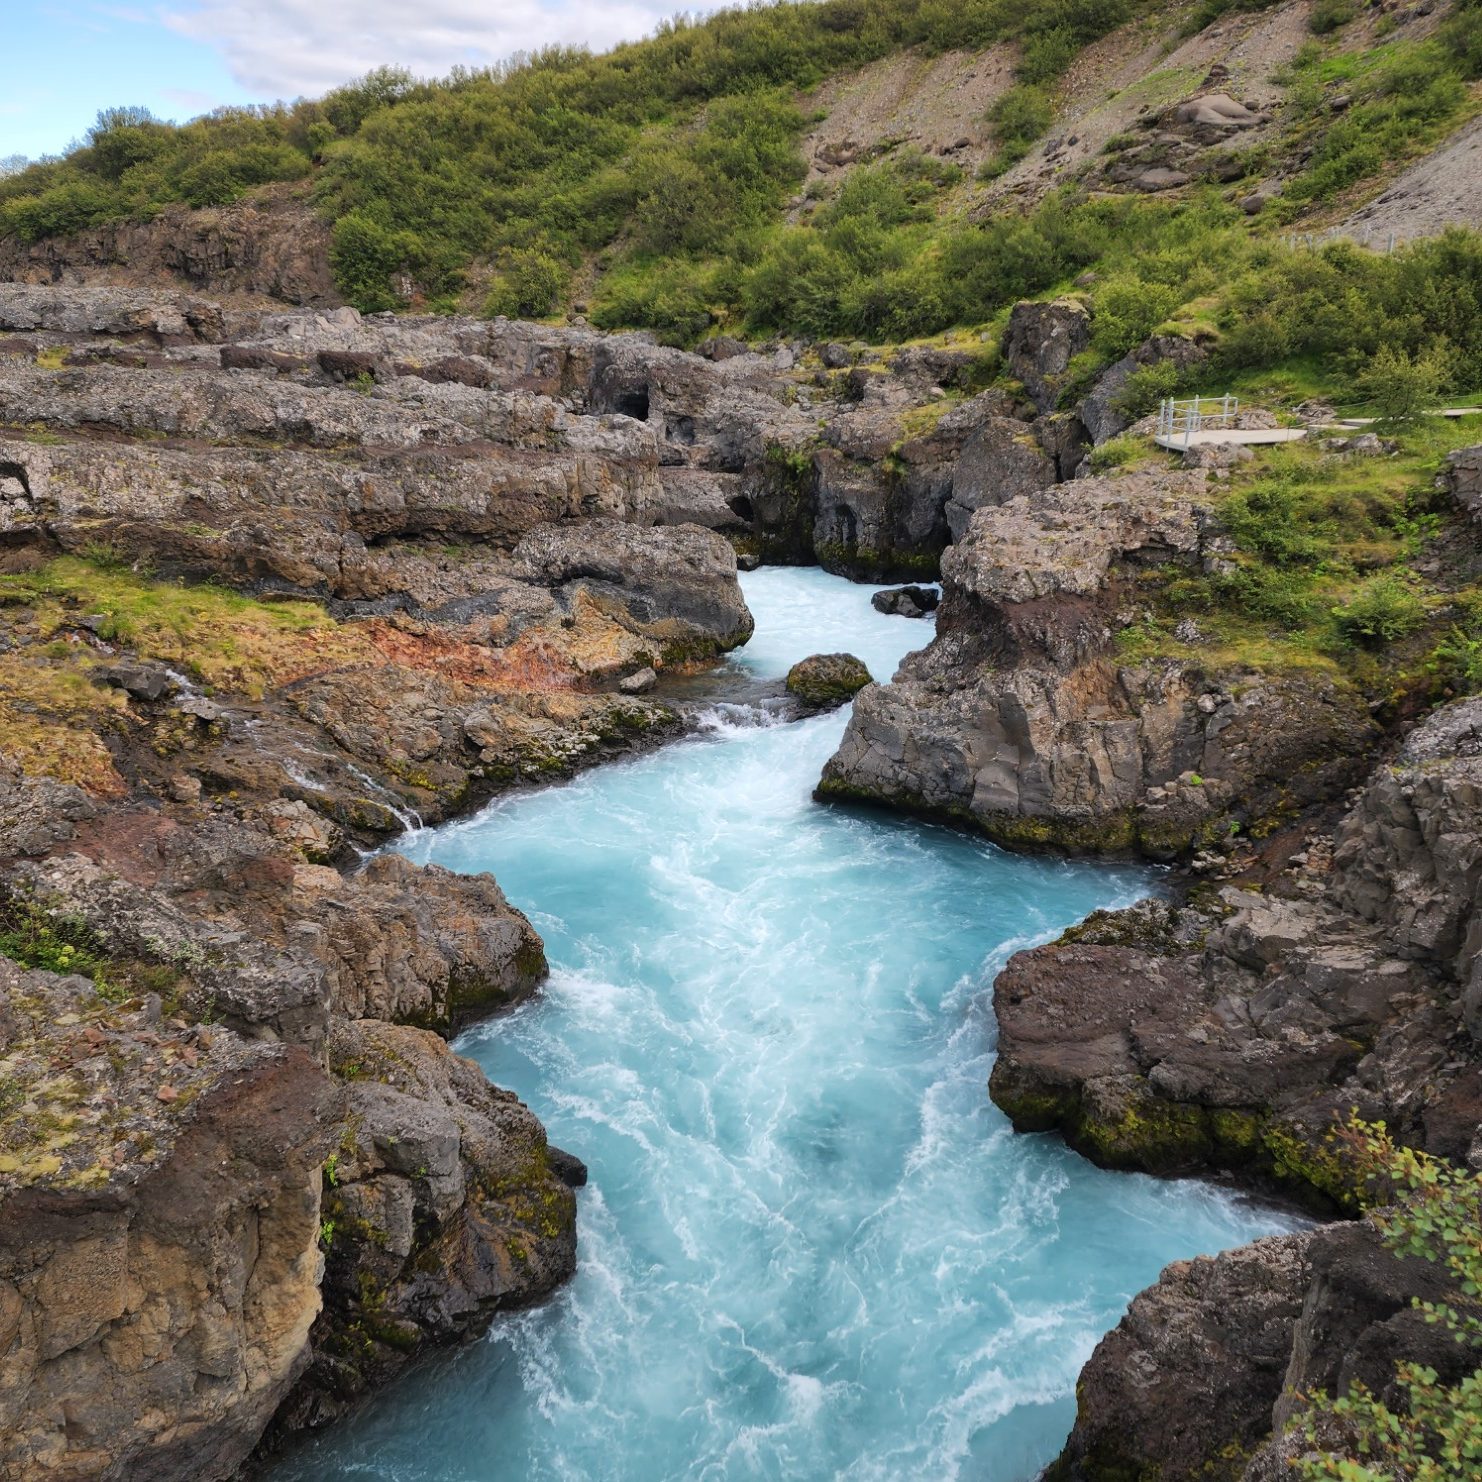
(826,681)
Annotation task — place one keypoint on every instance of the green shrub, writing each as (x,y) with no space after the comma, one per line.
(1126,310)
(1116,452)
(1331,15)
(58,212)
(670,299)
(1400,386)
(1385,609)
(1145,388)
(1019,118)
(530,284)
(1269,594)
(1430,1210)
(1457,660)
(1273,520)
(366,257)
(1461,36)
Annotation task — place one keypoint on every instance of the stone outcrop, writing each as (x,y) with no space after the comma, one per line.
(177,429)
(443,1207)
(1042,340)
(1193,1371)
(214,1105)
(677,586)
(273,245)
(1233,1034)
(1462,479)
(159,1230)
(1104,412)
(1210,1366)
(1019,719)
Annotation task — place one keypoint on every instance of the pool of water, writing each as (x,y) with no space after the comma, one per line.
(810,1247)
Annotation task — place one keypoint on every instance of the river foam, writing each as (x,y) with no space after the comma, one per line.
(810,1247)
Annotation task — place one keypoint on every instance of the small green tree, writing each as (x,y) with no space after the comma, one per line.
(1383,610)
(1434,1212)
(1400,385)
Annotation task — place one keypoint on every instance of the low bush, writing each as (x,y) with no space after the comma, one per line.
(1385,609)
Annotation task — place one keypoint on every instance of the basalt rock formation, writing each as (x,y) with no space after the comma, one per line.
(1206,1374)
(215,1091)
(1020,719)
(272,245)
(242,1178)
(1233,1032)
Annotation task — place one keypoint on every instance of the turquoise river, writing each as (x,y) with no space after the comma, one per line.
(810,1248)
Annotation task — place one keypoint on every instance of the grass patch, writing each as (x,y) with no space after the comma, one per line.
(222,639)
(1326,572)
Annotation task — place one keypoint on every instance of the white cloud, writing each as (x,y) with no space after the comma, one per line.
(284,48)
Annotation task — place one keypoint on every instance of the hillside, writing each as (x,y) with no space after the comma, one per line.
(856,168)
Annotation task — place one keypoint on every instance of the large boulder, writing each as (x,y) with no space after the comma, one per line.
(443,1206)
(913,602)
(1188,1378)
(1211,1365)
(1018,719)
(826,681)
(1462,478)
(676,585)
(1041,341)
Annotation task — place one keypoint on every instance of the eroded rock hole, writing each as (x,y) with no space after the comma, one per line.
(632,404)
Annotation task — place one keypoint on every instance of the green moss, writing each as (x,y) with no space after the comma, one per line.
(1152,1135)
(1312,1165)
(866,563)
(1149,1134)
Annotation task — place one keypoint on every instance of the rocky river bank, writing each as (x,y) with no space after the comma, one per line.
(277,585)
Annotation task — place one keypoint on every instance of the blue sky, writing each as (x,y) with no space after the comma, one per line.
(66,59)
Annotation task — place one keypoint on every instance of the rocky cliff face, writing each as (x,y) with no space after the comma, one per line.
(1209,1367)
(1019,718)
(159,1226)
(1232,1032)
(455,430)
(273,245)
(236,1180)
(242,1178)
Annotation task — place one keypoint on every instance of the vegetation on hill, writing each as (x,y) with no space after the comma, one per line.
(659,175)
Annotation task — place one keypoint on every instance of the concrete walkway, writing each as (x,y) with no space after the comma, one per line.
(1452,412)
(1176,442)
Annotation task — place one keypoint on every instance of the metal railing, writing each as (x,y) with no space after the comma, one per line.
(1367,239)
(1185,418)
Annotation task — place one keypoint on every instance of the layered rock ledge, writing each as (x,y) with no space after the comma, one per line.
(1020,719)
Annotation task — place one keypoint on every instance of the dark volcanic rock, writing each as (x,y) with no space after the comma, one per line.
(1042,340)
(276,246)
(1190,1376)
(445,1206)
(1018,719)
(1204,1374)
(1234,1034)
(906,601)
